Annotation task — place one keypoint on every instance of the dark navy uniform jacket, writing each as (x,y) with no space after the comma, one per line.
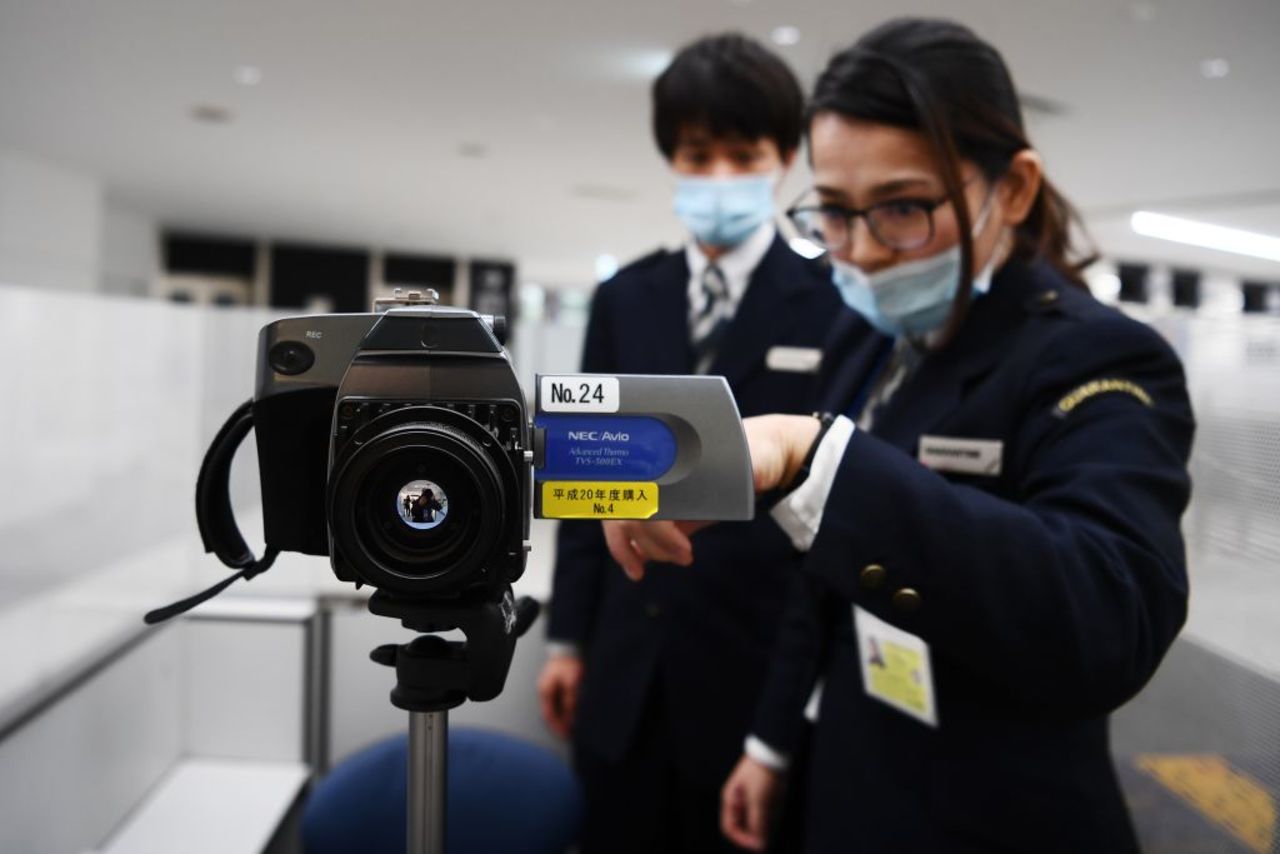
(701,634)
(1047,594)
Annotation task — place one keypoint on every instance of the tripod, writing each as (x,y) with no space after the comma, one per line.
(434,675)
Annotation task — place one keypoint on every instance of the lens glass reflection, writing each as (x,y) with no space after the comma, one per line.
(422,505)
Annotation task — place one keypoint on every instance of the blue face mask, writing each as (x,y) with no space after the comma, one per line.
(724,211)
(913,298)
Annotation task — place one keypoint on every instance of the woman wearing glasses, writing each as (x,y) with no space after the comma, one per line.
(989,508)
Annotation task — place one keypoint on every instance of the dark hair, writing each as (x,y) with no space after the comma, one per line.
(731,85)
(937,77)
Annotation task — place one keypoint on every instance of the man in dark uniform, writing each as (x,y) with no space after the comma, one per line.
(657,680)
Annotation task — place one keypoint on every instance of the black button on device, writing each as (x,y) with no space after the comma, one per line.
(291,357)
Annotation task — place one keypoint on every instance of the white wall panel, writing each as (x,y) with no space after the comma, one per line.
(244,691)
(50,224)
(68,775)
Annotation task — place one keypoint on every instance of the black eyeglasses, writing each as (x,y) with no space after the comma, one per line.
(901,224)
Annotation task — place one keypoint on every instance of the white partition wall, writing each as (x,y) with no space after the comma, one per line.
(69,775)
(107,405)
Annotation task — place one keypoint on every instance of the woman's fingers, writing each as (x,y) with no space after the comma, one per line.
(619,543)
(662,541)
(756,808)
(633,544)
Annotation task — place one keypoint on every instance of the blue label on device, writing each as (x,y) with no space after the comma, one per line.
(605,447)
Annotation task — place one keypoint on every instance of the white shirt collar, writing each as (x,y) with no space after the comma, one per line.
(737,264)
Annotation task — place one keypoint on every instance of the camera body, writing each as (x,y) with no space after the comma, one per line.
(396,443)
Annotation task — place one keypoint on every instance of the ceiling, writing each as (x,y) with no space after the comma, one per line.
(519,129)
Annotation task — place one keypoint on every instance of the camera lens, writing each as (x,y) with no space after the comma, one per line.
(419,506)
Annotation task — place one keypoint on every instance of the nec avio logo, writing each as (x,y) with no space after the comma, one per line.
(597,436)
(605,447)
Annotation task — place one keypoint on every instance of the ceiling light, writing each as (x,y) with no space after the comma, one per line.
(805,247)
(1204,234)
(1215,69)
(1040,105)
(645,64)
(211,114)
(247,75)
(785,36)
(473,150)
(1143,13)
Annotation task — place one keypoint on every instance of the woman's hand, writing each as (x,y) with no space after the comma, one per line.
(778,445)
(747,803)
(633,543)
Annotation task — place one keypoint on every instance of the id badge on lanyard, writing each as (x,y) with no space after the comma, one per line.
(895,667)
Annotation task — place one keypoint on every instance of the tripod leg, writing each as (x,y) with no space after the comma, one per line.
(428,754)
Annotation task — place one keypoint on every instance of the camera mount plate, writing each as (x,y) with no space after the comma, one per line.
(400,298)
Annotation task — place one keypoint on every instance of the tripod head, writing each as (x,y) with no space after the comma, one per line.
(434,674)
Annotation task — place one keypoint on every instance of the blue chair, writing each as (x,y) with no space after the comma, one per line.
(505,795)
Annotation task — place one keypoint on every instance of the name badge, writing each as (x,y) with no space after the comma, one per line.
(796,360)
(895,667)
(963,456)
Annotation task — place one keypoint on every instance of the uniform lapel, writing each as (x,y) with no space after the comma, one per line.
(763,314)
(936,390)
(657,321)
(850,355)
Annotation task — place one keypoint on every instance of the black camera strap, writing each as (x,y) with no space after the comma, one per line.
(216,519)
(159,615)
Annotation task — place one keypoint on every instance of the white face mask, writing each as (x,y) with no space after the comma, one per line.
(915,297)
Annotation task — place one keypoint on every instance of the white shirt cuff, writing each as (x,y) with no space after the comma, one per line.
(800,513)
(815,702)
(563,649)
(766,755)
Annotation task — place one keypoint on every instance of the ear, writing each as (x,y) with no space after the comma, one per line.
(788,160)
(1020,185)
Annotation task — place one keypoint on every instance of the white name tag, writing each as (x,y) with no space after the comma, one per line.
(895,667)
(963,456)
(796,360)
(580,394)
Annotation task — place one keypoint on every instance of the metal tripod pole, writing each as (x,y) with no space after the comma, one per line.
(428,756)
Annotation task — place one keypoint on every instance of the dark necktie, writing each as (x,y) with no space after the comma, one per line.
(712,320)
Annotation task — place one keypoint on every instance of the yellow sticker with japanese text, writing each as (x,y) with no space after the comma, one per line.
(565,499)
